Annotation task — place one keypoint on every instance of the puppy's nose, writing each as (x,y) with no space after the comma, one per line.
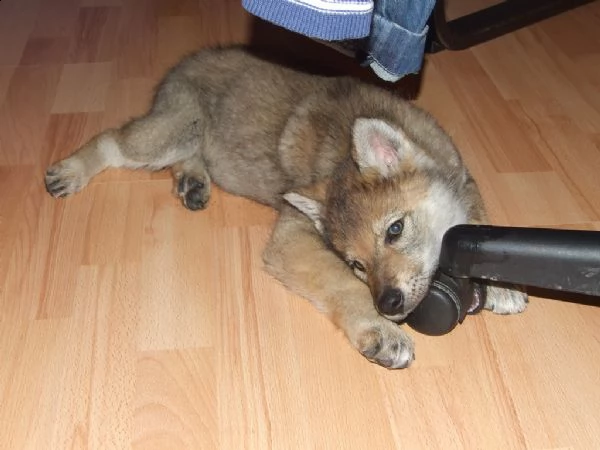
(391,302)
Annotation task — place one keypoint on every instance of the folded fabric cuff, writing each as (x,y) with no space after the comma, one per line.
(394,51)
(321,19)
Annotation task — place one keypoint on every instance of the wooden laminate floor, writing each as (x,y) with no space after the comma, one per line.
(127,321)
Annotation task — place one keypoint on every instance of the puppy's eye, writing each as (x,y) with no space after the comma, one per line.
(354,264)
(394,231)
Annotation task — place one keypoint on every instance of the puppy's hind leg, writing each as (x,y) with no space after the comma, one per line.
(192,182)
(151,142)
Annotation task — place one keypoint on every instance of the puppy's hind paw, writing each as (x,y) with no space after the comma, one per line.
(502,300)
(386,344)
(65,178)
(194,193)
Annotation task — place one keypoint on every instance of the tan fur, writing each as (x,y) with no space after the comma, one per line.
(273,134)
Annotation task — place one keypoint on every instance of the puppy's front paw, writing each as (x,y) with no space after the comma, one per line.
(65,178)
(501,300)
(386,344)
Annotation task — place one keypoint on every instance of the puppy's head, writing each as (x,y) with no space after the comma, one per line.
(385,212)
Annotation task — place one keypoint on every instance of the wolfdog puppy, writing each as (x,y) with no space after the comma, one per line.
(365,183)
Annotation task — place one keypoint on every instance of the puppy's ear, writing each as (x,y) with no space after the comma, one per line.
(381,148)
(310,202)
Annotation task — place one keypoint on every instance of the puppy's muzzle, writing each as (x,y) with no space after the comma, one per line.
(391,302)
